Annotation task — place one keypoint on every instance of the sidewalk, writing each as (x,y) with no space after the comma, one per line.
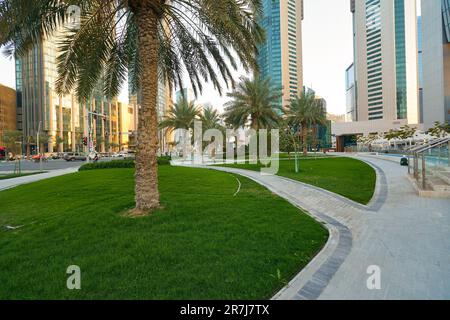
(406,236)
(12,183)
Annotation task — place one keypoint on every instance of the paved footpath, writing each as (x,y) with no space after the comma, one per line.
(12,183)
(406,236)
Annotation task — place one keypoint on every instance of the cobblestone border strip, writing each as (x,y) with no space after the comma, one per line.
(381,188)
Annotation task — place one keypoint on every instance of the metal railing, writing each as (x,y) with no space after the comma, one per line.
(429,156)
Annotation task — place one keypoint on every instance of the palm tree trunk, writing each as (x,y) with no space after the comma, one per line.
(146,188)
(314,136)
(305,139)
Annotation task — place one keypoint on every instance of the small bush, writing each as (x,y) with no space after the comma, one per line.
(120,164)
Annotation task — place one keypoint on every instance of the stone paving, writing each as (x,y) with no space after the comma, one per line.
(406,236)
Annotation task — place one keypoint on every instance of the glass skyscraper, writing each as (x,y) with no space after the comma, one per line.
(280,57)
(63,118)
(436,61)
(386,55)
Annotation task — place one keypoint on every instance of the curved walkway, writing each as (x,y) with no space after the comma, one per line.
(14,182)
(406,236)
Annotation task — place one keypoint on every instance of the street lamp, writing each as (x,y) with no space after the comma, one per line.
(38,146)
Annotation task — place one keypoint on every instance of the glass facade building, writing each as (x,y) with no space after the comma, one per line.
(435,72)
(63,118)
(446,18)
(400,58)
(280,57)
(374,59)
(385,60)
(269,58)
(350,86)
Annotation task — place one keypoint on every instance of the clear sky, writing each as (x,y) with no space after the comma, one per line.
(327,51)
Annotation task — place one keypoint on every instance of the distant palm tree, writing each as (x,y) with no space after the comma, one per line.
(181,116)
(211,119)
(255,103)
(318,118)
(147,38)
(300,114)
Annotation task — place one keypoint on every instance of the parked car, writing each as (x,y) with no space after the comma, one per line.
(75,156)
(56,156)
(38,157)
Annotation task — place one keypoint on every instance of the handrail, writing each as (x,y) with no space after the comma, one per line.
(430,145)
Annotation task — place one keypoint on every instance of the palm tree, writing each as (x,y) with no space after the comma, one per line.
(149,40)
(181,116)
(253,103)
(318,118)
(300,114)
(211,119)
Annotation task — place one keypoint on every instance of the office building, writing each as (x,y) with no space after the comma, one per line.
(350,87)
(386,75)
(436,61)
(386,58)
(63,118)
(280,57)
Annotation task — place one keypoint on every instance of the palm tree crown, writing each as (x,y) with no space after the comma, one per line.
(255,103)
(303,112)
(181,116)
(211,119)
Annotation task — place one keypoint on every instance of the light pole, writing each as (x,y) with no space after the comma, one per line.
(89,140)
(39,146)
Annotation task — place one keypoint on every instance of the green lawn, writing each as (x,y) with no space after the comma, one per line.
(348,177)
(205,243)
(12,176)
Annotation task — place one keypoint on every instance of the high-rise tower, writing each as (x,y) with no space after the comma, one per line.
(280,57)
(436,61)
(386,60)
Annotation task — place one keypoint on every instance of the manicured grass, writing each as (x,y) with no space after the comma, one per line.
(205,244)
(12,176)
(348,177)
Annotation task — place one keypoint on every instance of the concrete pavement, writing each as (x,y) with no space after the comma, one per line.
(12,183)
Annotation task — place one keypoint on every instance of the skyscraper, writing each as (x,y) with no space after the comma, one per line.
(386,59)
(436,61)
(63,118)
(280,57)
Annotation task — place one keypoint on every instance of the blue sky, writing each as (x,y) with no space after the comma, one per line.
(327,51)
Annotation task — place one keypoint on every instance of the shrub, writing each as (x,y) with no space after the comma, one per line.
(120,164)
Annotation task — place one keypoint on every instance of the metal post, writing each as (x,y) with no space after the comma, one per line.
(416,166)
(39,146)
(423,172)
(409,166)
(88,136)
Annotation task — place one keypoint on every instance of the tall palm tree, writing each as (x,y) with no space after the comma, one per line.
(318,118)
(181,116)
(300,114)
(255,103)
(147,39)
(211,119)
